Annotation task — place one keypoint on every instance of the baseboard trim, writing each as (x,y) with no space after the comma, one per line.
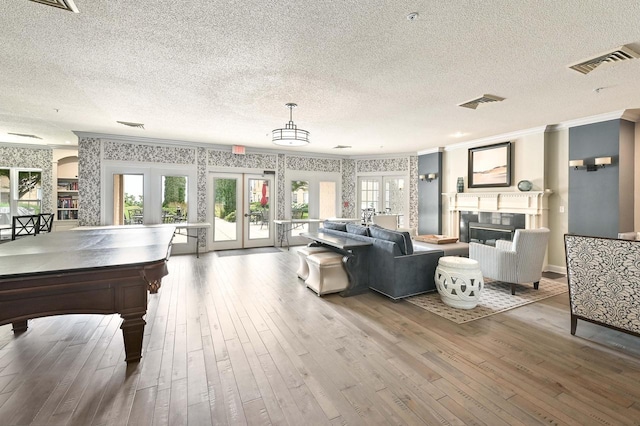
(555,268)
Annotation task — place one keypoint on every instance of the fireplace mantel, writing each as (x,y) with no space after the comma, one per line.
(533,204)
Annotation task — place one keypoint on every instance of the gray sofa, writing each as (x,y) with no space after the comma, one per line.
(395,270)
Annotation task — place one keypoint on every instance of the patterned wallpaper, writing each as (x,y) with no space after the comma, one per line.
(402,165)
(89,167)
(201,207)
(89,182)
(313,164)
(254,161)
(349,188)
(280,186)
(33,158)
(383,165)
(123,151)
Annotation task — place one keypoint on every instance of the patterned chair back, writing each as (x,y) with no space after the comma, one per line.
(604,281)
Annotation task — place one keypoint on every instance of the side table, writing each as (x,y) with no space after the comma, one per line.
(459,281)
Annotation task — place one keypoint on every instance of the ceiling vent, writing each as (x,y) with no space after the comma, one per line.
(60,4)
(484,99)
(127,123)
(24,135)
(341,147)
(622,53)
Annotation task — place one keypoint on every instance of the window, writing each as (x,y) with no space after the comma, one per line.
(383,195)
(20,193)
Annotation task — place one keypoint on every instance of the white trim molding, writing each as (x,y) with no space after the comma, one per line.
(533,204)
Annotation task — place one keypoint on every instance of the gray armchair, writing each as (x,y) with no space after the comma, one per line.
(516,262)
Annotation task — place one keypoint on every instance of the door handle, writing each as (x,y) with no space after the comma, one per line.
(247,215)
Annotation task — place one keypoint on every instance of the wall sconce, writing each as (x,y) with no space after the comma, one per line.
(598,162)
(428,177)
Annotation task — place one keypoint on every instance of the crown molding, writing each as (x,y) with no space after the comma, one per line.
(382,156)
(615,115)
(188,144)
(431,150)
(497,138)
(25,145)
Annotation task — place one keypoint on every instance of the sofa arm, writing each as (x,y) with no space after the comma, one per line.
(495,263)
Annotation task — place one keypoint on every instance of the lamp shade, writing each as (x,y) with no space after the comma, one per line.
(602,161)
(576,163)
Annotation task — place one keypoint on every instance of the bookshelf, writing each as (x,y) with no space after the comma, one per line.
(67,205)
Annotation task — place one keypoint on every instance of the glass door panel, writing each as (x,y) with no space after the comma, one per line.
(299,206)
(258,212)
(394,198)
(175,203)
(225,206)
(128,199)
(369,198)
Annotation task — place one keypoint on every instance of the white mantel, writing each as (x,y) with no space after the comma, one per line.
(533,204)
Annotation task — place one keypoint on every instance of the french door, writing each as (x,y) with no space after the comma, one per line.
(383,195)
(241,210)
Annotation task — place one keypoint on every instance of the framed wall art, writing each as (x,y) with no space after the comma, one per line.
(490,166)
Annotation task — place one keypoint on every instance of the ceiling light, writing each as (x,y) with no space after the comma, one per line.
(60,4)
(290,135)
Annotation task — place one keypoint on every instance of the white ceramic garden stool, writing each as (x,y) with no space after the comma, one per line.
(303,253)
(326,273)
(459,281)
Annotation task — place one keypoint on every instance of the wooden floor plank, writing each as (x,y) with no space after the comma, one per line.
(241,340)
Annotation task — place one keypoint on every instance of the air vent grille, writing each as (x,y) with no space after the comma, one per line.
(128,123)
(60,4)
(622,53)
(342,146)
(24,135)
(484,99)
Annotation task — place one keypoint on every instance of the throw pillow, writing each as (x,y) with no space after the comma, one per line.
(354,228)
(338,226)
(402,239)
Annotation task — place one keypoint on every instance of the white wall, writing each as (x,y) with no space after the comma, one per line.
(557,166)
(538,157)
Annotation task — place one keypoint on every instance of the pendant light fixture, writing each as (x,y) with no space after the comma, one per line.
(290,135)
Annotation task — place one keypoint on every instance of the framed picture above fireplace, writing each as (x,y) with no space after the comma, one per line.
(490,166)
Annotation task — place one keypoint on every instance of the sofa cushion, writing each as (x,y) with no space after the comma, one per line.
(354,228)
(338,226)
(402,239)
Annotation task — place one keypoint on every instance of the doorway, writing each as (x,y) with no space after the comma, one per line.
(242,211)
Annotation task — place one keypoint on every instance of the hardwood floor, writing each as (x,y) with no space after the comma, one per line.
(240,340)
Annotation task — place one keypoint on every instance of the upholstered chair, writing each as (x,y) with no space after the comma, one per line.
(516,262)
(387,221)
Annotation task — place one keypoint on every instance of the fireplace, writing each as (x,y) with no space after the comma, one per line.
(487,216)
(487,227)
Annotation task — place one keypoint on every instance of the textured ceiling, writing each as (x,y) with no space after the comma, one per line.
(363,75)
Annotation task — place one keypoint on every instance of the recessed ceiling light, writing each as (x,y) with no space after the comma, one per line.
(413,16)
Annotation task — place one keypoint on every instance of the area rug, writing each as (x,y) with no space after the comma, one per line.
(495,298)
(257,250)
